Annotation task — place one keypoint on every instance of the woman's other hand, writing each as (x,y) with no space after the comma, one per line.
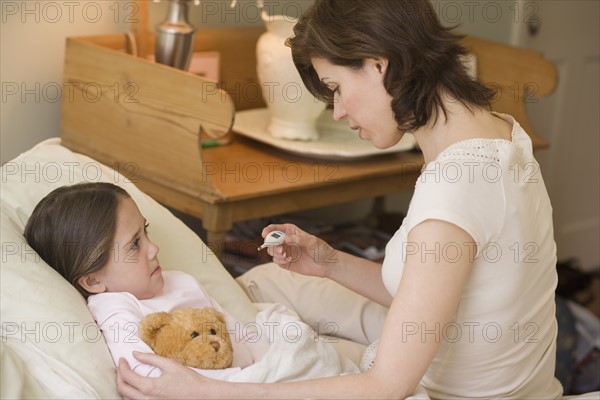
(176,381)
(302,252)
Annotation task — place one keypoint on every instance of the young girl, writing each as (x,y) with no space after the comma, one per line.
(94,235)
(469,277)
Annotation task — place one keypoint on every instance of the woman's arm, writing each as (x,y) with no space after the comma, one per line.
(354,272)
(428,296)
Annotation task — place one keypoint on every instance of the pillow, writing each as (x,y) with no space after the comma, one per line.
(17,382)
(43,313)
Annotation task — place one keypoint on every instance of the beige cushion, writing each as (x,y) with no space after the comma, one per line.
(44,316)
(15,380)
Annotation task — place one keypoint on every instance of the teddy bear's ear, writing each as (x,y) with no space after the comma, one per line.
(151,325)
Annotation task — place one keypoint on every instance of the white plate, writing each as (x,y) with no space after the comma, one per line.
(336,139)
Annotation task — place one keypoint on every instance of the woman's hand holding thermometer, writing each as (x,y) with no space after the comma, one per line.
(274,238)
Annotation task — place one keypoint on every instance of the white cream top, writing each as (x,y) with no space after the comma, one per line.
(502,342)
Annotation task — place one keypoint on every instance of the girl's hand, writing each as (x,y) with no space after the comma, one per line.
(301,252)
(176,381)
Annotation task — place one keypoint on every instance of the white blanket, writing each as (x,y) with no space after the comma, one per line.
(296,352)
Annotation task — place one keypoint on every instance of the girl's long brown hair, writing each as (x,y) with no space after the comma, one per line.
(73,228)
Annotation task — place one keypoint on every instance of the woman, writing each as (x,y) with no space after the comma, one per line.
(469,277)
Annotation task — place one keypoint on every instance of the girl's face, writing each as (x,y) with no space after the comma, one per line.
(361,99)
(133,264)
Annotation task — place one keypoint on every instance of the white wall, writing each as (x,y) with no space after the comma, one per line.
(32,48)
(484,18)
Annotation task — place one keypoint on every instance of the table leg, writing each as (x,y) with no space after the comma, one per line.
(217,220)
(377,210)
(216,242)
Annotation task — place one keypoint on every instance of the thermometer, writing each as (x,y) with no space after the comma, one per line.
(274,238)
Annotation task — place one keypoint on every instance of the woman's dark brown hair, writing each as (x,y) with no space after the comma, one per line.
(73,228)
(424,57)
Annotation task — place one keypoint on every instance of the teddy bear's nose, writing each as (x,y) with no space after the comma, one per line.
(216,345)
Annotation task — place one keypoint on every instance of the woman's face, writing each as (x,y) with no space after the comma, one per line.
(133,264)
(361,99)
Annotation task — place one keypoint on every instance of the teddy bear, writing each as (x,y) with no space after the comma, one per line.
(196,337)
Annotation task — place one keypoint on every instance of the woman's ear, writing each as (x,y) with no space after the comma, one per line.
(381,64)
(91,284)
(378,65)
